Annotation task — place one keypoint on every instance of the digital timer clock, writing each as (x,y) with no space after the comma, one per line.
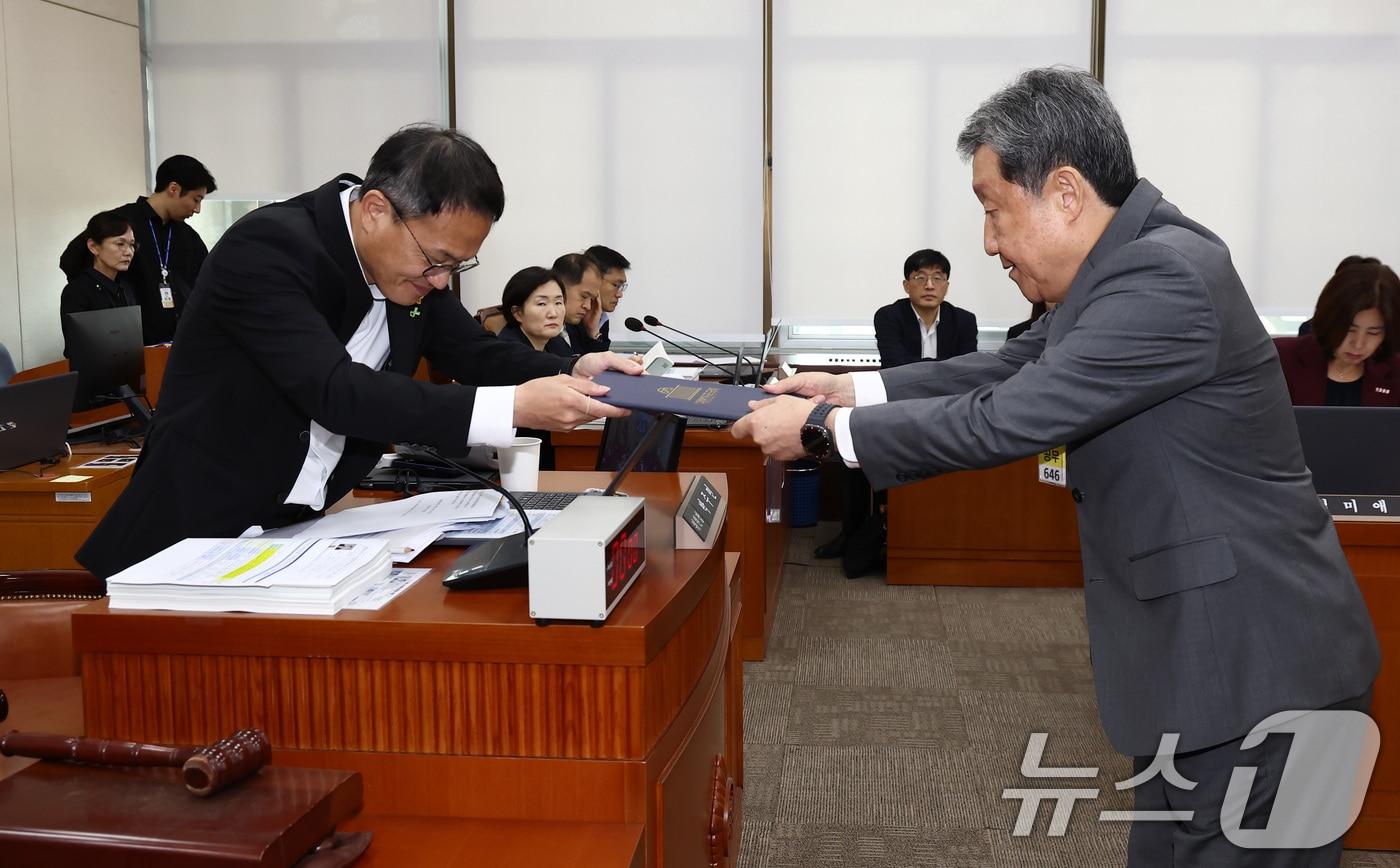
(586,558)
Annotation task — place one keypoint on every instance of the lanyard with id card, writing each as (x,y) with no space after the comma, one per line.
(1050,469)
(167,296)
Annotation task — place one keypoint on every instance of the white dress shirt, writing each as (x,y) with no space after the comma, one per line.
(870,389)
(928,340)
(492,413)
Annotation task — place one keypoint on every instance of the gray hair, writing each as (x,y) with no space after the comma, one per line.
(1050,117)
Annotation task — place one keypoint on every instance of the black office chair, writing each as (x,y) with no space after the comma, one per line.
(621,436)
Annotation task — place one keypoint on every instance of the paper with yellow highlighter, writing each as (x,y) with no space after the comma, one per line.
(286,576)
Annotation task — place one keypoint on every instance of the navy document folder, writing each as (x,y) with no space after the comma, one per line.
(682,397)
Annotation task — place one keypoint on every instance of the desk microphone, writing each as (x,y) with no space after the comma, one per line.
(653,321)
(492,563)
(634,324)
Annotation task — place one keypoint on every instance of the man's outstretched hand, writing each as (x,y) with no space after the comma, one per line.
(776,425)
(838,388)
(560,403)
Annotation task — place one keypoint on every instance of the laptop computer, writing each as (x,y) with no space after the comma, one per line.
(34,419)
(1351,450)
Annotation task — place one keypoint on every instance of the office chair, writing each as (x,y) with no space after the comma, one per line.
(7,366)
(621,436)
(38,669)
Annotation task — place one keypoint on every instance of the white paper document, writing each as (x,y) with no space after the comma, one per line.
(378,594)
(313,577)
(501,526)
(405,543)
(437,507)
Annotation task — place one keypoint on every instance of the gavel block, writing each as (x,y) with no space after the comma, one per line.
(205,770)
(57,813)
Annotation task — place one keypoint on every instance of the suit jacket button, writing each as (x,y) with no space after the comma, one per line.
(1077,495)
(304,436)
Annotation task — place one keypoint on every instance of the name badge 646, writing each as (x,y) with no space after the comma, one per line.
(1051,467)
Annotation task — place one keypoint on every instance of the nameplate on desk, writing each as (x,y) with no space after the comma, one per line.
(1367,506)
(700,514)
(72,497)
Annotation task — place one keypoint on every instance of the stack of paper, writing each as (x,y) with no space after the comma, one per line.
(412,524)
(275,576)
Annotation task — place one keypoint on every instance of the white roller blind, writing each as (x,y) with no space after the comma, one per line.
(868,100)
(277,97)
(628,123)
(1274,123)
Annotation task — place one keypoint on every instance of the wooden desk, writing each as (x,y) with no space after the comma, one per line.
(454,704)
(42,522)
(1373,550)
(156,358)
(748,531)
(997,528)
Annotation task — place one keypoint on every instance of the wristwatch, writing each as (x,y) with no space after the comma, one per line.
(816,439)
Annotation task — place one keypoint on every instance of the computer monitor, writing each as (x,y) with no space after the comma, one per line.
(34,419)
(767,348)
(621,437)
(1351,450)
(105,348)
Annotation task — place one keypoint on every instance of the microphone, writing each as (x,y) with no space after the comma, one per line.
(634,324)
(492,563)
(653,321)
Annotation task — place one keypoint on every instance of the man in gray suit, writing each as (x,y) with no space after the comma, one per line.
(1215,587)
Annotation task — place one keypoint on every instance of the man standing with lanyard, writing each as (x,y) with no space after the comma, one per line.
(170,252)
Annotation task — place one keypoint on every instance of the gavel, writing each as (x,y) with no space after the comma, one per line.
(205,770)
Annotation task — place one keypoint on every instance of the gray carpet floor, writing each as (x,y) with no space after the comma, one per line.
(885,721)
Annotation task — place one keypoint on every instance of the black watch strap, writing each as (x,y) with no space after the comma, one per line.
(817,439)
(819,414)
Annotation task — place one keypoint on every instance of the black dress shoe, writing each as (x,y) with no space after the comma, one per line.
(832,548)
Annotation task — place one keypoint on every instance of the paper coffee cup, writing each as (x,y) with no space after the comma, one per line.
(520,464)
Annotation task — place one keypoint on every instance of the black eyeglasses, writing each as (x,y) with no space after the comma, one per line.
(436,268)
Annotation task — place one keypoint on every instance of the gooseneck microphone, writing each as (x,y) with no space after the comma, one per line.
(634,324)
(653,321)
(492,563)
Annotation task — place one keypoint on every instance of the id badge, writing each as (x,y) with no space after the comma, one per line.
(167,298)
(1051,468)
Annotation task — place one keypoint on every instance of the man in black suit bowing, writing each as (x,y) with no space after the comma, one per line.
(924,325)
(295,356)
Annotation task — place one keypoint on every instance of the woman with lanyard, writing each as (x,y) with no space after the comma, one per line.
(94,263)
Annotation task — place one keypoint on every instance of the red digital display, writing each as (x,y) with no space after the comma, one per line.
(625,555)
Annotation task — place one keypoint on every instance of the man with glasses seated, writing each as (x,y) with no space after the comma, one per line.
(582,279)
(924,325)
(294,367)
(614,267)
(920,327)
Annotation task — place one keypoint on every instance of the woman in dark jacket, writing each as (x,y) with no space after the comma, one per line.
(94,263)
(1348,359)
(533,304)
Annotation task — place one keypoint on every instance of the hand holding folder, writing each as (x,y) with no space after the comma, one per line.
(681,397)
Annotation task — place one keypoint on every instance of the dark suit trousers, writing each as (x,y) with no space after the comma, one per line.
(1199,842)
(855,498)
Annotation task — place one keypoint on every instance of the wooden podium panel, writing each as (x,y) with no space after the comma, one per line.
(453,703)
(748,532)
(43,522)
(1373,550)
(995,528)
